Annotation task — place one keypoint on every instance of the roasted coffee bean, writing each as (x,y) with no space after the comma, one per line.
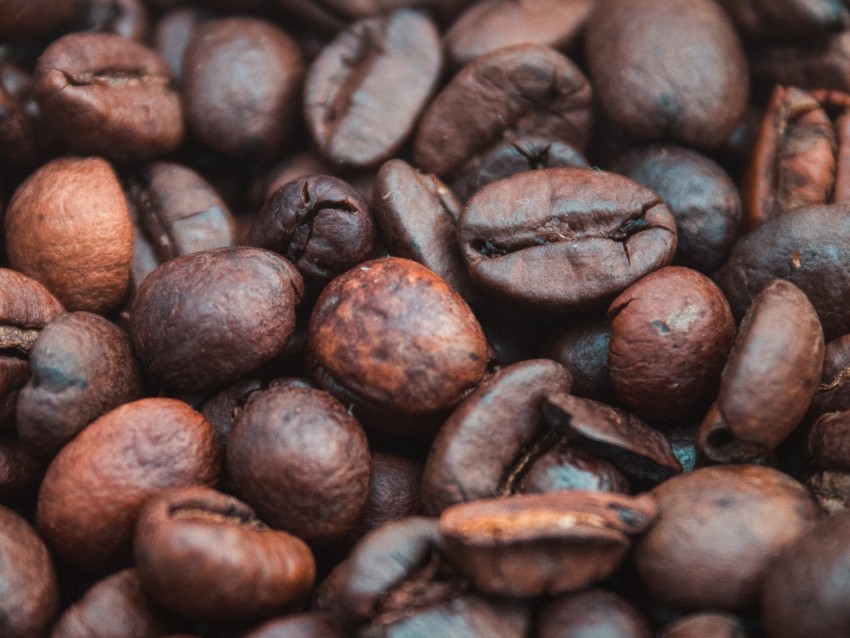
(25,308)
(493,437)
(417,214)
(96,485)
(495,24)
(114,606)
(20,471)
(302,461)
(525,90)
(392,334)
(820,64)
(30,592)
(717,532)
(810,248)
(705,625)
(82,367)
(703,199)
(108,95)
(769,379)
(320,224)
(516,156)
(128,18)
(800,20)
(827,445)
(172,35)
(833,393)
(803,154)
(204,320)
(643,454)
(304,625)
(76,204)
(571,239)
(366,89)
(533,544)
(24,138)
(288,170)
(241,83)
(668,69)
(582,348)
(596,612)
(196,539)
(566,467)
(670,335)
(175,212)
(24,19)
(804,588)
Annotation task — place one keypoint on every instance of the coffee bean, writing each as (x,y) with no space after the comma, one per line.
(107,95)
(304,625)
(24,136)
(714,624)
(172,35)
(523,90)
(668,68)
(75,203)
(821,64)
(832,393)
(799,20)
(24,19)
(593,233)
(594,611)
(20,471)
(581,346)
(241,83)
(196,539)
(365,91)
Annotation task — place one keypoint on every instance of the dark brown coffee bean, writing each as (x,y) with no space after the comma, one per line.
(30,594)
(115,606)
(670,335)
(94,488)
(23,19)
(175,212)
(828,442)
(395,492)
(238,303)
(488,443)
(495,24)
(640,452)
(810,248)
(805,588)
(802,157)
(108,95)
(172,34)
(392,334)
(565,467)
(128,18)
(525,90)
(833,393)
(668,69)
(20,471)
(304,625)
(241,85)
(290,169)
(195,540)
(82,367)
(592,233)
(24,136)
(718,530)
(594,612)
(769,379)
(76,204)
(299,458)
(533,544)
(705,625)
(582,348)
(365,91)
(822,63)
(417,214)
(320,224)
(25,308)
(800,20)
(701,196)
(516,156)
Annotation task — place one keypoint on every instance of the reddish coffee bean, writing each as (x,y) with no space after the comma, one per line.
(196,539)
(241,82)
(238,303)
(592,233)
(533,544)
(495,24)
(76,203)
(804,588)
(108,95)
(717,532)
(94,488)
(299,458)
(670,335)
(366,89)
(594,612)
(82,367)
(114,606)
(392,334)
(770,377)
(30,593)
(526,90)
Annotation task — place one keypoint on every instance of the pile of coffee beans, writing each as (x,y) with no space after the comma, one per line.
(425,318)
